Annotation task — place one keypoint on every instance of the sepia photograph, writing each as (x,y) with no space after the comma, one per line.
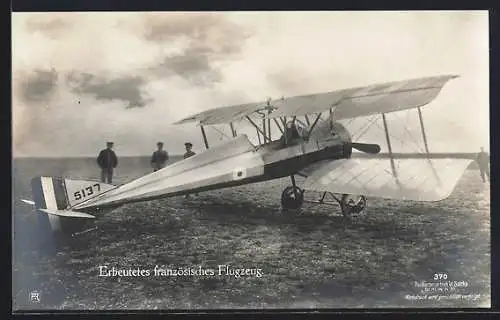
(250,160)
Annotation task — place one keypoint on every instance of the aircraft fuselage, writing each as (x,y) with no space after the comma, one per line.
(236,162)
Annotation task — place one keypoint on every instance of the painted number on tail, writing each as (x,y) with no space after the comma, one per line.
(86,192)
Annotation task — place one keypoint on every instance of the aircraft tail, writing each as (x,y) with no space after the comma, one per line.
(53,198)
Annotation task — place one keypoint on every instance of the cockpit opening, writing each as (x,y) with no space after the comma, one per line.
(294,133)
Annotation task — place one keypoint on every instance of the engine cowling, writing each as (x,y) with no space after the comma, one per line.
(335,133)
(341,131)
(344,135)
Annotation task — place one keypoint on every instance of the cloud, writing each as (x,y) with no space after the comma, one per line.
(104,73)
(127,89)
(108,60)
(33,91)
(53,26)
(207,29)
(38,85)
(204,40)
(193,65)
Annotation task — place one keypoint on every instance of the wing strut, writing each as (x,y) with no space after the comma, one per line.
(204,136)
(391,158)
(331,119)
(233,131)
(269,109)
(269,129)
(258,129)
(423,130)
(283,121)
(278,125)
(255,125)
(307,120)
(258,136)
(424,137)
(264,130)
(314,123)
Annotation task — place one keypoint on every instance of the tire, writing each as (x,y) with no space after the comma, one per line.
(354,209)
(288,201)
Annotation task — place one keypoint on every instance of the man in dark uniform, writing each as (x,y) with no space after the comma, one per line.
(483,161)
(159,158)
(107,161)
(290,135)
(189,152)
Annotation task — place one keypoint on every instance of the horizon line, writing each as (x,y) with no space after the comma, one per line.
(145,155)
(87,156)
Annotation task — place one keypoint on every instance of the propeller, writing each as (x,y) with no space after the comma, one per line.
(366,147)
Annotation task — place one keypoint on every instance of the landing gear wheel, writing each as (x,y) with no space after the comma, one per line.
(292,198)
(352,206)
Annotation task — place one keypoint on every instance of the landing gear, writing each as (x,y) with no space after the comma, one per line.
(352,205)
(292,197)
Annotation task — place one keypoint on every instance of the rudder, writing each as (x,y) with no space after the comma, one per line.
(50,194)
(46,196)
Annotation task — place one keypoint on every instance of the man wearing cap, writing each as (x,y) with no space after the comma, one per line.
(107,161)
(159,158)
(189,152)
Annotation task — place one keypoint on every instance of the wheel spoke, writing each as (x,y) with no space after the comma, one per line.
(350,207)
(292,198)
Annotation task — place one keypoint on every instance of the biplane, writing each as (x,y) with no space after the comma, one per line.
(312,143)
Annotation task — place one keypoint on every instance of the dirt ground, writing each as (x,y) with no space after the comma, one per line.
(311,259)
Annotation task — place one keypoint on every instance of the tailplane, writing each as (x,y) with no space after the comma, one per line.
(54,197)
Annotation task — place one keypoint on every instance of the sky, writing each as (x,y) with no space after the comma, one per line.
(81,79)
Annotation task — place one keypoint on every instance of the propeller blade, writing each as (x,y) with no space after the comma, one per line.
(366,147)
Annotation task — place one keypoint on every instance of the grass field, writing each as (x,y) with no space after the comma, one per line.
(311,259)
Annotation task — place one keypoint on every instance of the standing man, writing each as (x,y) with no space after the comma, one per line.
(159,158)
(107,161)
(483,161)
(189,152)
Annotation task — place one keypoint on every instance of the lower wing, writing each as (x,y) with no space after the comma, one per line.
(420,178)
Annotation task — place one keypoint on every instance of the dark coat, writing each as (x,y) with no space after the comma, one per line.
(483,159)
(107,159)
(289,136)
(159,158)
(188,154)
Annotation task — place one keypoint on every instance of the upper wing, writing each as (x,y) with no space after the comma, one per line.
(225,114)
(364,101)
(412,179)
(347,103)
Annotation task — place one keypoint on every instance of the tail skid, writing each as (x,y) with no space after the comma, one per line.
(28,202)
(67,213)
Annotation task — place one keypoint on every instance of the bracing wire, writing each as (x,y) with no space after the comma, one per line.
(419,150)
(394,137)
(220,132)
(366,127)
